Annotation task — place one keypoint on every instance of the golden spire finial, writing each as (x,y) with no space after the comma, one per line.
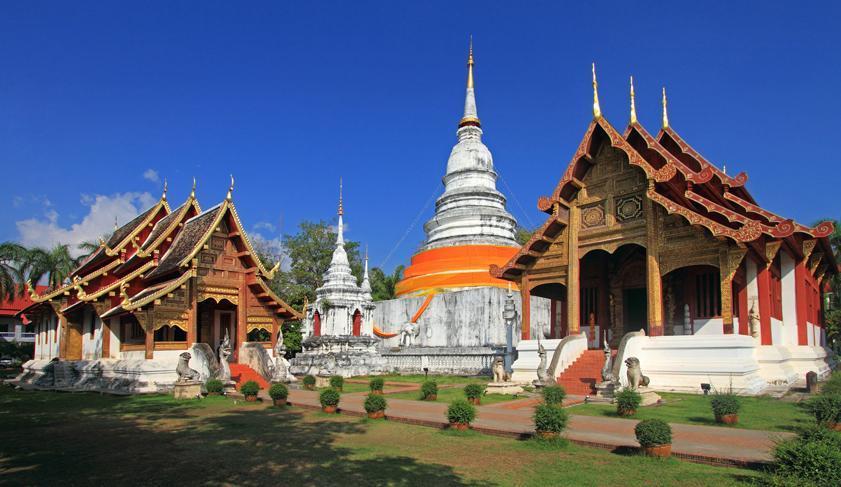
(633,104)
(230,195)
(193,191)
(470,64)
(597,110)
(163,196)
(341,210)
(724,168)
(665,110)
(115,223)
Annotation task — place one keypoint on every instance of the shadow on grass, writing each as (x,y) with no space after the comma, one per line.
(87,439)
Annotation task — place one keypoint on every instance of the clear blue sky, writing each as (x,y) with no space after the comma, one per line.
(289,97)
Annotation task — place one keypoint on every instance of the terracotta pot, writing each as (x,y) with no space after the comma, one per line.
(431,397)
(329,409)
(727,418)
(251,397)
(548,435)
(377,392)
(460,426)
(280,402)
(629,412)
(377,415)
(475,400)
(659,451)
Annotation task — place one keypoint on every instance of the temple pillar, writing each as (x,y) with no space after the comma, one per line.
(242,318)
(106,337)
(744,310)
(150,339)
(652,257)
(525,307)
(763,284)
(276,324)
(61,330)
(573,272)
(726,286)
(192,313)
(801,303)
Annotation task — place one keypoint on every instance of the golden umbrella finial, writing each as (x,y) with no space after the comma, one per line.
(193,191)
(470,64)
(633,104)
(665,110)
(163,196)
(341,209)
(230,195)
(597,111)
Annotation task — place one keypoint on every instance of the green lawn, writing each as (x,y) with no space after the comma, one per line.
(762,413)
(440,379)
(91,439)
(450,394)
(351,387)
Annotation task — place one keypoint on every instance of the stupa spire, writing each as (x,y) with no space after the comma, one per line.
(633,104)
(366,283)
(340,238)
(665,110)
(471,116)
(230,195)
(597,110)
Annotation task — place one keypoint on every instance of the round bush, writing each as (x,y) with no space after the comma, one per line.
(814,455)
(309,380)
(826,408)
(278,391)
(337,381)
(550,418)
(627,400)
(214,386)
(724,404)
(429,388)
(329,397)
(461,411)
(376,384)
(250,388)
(374,403)
(474,391)
(833,384)
(554,394)
(653,432)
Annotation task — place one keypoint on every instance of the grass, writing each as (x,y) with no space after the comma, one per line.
(450,394)
(349,387)
(440,379)
(91,439)
(760,413)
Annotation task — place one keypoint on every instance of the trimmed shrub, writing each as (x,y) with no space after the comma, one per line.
(278,392)
(250,388)
(376,384)
(550,418)
(627,401)
(429,388)
(329,397)
(309,381)
(653,432)
(813,458)
(214,386)
(833,385)
(337,382)
(826,408)
(374,403)
(725,403)
(461,411)
(474,391)
(554,394)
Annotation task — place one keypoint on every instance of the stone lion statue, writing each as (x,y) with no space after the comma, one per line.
(225,350)
(498,368)
(185,373)
(408,333)
(635,377)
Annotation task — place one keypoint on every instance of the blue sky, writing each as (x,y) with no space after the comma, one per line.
(99,103)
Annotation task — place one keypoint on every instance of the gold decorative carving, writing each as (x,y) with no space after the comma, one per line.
(218,294)
(808,247)
(771,249)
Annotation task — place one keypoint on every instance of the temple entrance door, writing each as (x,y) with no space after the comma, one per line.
(74,341)
(636,309)
(557,295)
(357,323)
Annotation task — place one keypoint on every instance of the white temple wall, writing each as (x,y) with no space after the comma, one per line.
(776,331)
(91,345)
(810,334)
(114,344)
(789,299)
(710,326)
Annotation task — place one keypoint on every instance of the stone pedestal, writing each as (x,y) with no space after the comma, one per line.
(503,388)
(187,390)
(649,397)
(322,381)
(605,390)
(344,355)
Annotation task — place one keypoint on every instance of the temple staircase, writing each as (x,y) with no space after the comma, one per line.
(241,373)
(581,377)
(64,374)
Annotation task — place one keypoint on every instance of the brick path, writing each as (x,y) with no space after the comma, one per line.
(705,444)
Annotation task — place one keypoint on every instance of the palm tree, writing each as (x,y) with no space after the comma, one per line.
(384,286)
(88,247)
(55,265)
(12,256)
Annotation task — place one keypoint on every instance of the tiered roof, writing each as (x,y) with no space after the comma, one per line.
(681,181)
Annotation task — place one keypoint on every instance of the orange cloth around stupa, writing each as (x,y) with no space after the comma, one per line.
(454,267)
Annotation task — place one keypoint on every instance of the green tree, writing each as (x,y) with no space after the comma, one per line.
(54,265)
(87,247)
(384,286)
(12,261)
(523,235)
(832,316)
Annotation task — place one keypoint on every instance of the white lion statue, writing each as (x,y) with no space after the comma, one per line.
(185,373)
(500,375)
(635,377)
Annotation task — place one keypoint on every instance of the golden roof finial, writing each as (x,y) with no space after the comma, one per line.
(724,168)
(597,110)
(633,104)
(665,110)
(193,191)
(115,223)
(470,64)
(341,210)
(230,195)
(163,196)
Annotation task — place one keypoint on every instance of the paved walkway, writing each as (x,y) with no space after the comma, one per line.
(705,444)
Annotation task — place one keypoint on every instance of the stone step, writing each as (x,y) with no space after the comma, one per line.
(581,377)
(241,373)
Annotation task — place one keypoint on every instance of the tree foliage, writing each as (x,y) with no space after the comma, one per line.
(384,286)
(833,303)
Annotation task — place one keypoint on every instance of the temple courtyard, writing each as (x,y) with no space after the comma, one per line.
(223,441)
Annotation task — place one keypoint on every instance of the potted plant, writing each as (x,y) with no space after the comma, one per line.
(376,385)
(549,421)
(309,382)
(474,393)
(627,402)
(429,390)
(554,395)
(827,410)
(250,390)
(375,405)
(655,437)
(726,407)
(278,393)
(214,387)
(337,382)
(460,414)
(329,399)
